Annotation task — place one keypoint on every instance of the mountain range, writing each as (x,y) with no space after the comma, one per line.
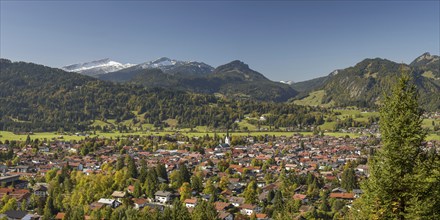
(40,98)
(234,79)
(97,67)
(361,85)
(101,67)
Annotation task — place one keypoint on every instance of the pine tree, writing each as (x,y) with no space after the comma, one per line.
(132,169)
(77,213)
(143,171)
(196,183)
(161,171)
(250,193)
(325,206)
(396,187)
(137,192)
(150,185)
(48,209)
(179,211)
(185,176)
(209,187)
(166,215)
(278,203)
(204,211)
(348,181)
(120,163)
(28,140)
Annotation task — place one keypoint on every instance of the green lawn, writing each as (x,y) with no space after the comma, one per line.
(149,129)
(341,134)
(6,135)
(196,129)
(427,123)
(432,137)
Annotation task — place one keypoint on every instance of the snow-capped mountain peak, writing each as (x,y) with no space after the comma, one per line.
(97,67)
(167,65)
(173,66)
(164,61)
(288,82)
(161,62)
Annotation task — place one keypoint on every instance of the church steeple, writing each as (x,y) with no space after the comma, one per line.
(227,141)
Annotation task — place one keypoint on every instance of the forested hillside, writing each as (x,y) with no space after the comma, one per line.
(363,84)
(39,98)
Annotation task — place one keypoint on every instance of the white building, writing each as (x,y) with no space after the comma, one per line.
(190,203)
(162,196)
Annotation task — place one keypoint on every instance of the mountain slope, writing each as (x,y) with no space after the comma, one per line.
(96,68)
(309,85)
(238,79)
(234,79)
(166,65)
(364,84)
(172,67)
(428,65)
(40,98)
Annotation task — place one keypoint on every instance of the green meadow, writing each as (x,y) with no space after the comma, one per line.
(6,135)
(245,127)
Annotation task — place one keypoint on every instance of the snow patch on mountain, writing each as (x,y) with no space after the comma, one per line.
(174,66)
(288,82)
(162,62)
(334,73)
(97,67)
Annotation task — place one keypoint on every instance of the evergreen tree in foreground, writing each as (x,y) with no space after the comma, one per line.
(404,178)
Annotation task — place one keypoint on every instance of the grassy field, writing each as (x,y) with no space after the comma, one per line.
(427,123)
(171,122)
(149,129)
(314,99)
(428,74)
(100,123)
(6,135)
(244,123)
(433,137)
(356,114)
(328,126)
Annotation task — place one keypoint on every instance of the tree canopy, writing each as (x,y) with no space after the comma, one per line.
(404,174)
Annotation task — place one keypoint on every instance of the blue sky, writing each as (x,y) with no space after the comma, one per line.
(284,40)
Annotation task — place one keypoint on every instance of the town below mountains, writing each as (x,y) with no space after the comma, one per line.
(191,94)
(212,177)
(172,139)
